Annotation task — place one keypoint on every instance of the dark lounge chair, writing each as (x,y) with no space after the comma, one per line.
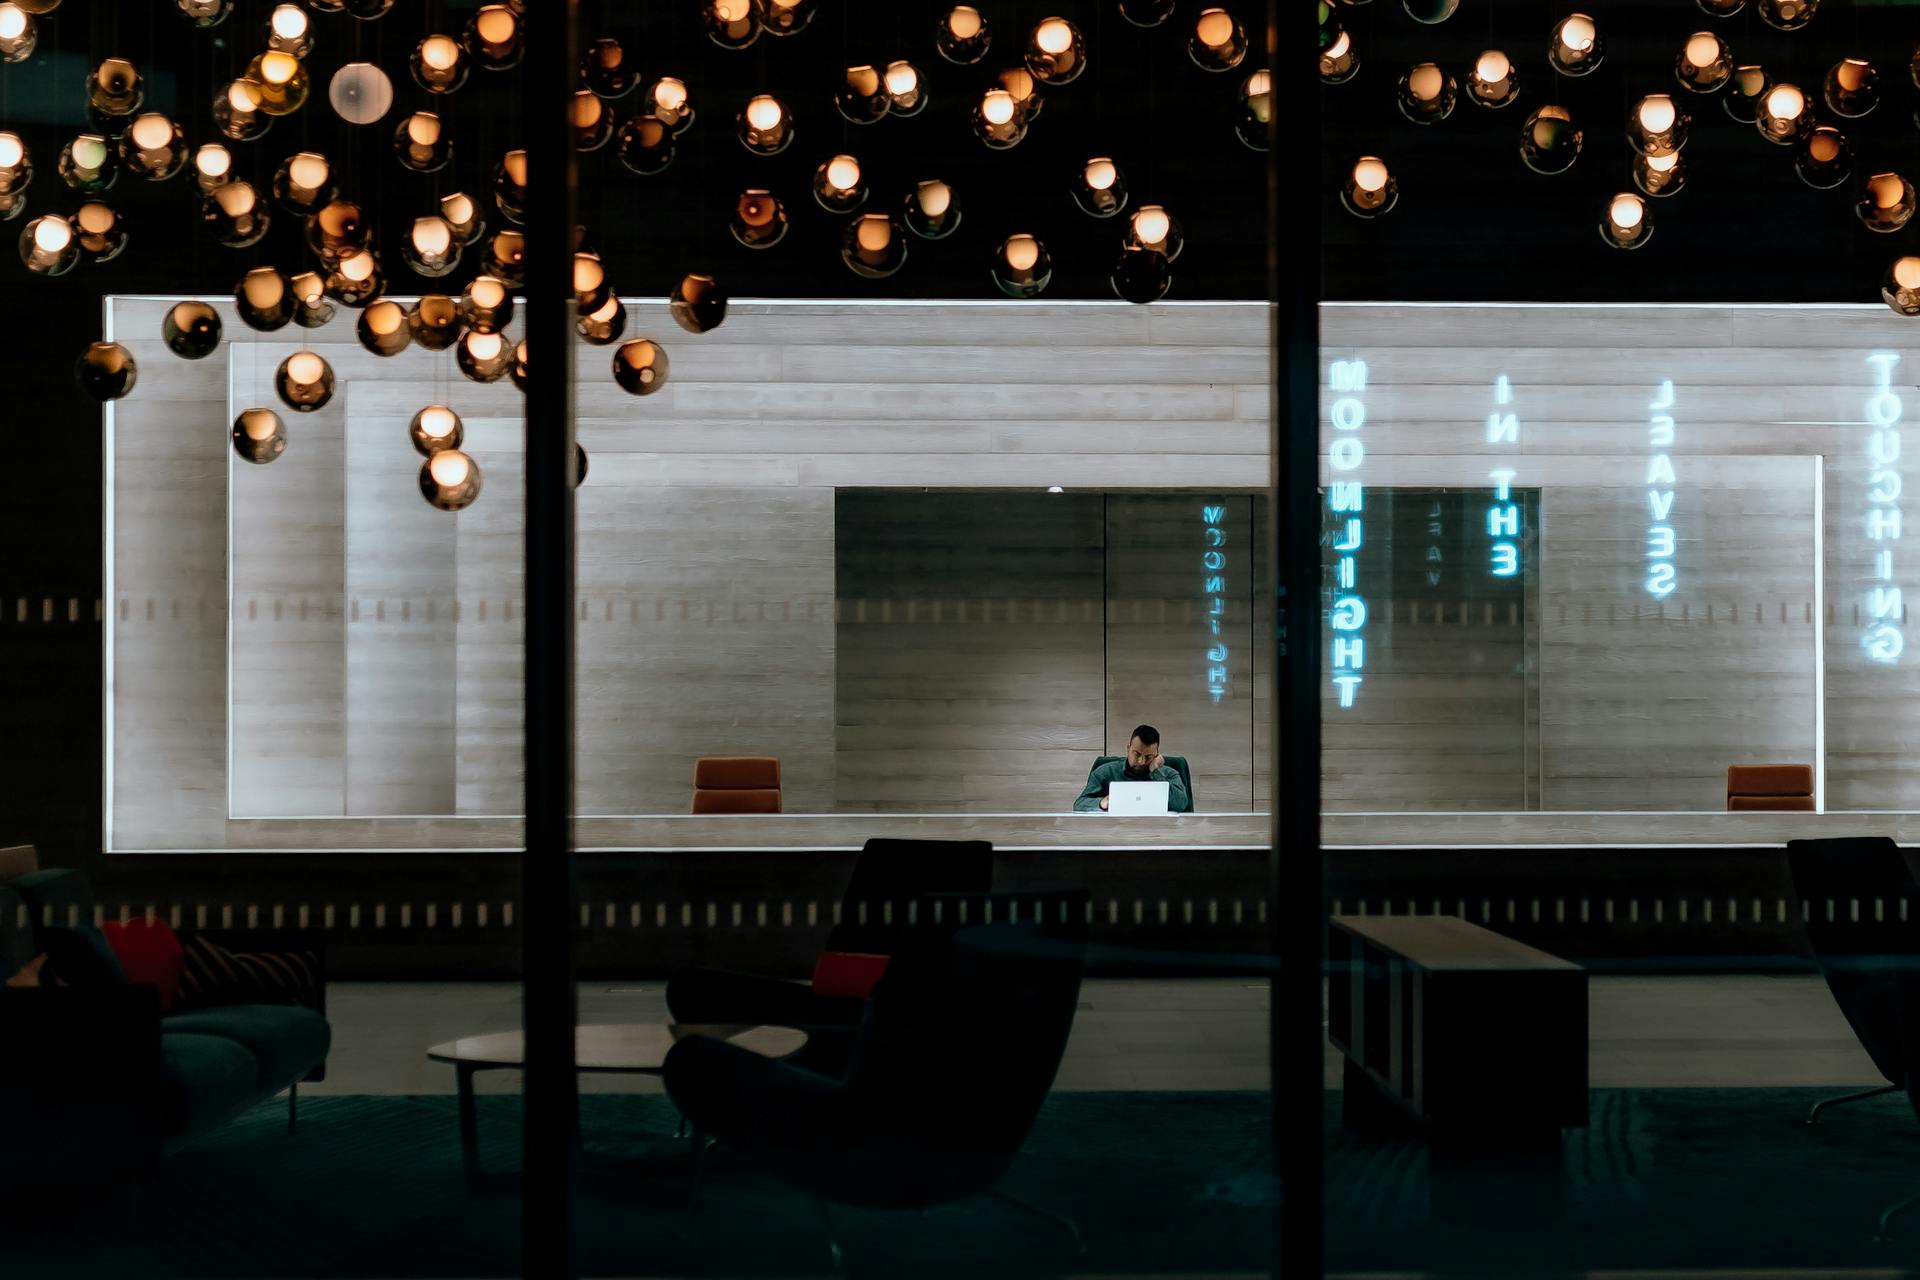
(956,1054)
(1861,958)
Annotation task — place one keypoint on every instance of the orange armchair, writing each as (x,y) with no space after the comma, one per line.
(736,784)
(1786,787)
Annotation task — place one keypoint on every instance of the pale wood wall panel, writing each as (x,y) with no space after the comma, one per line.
(490,640)
(288,681)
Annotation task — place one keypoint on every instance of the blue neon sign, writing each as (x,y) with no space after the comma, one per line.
(1662,576)
(1884,638)
(1213,583)
(1346,498)
(1503,517)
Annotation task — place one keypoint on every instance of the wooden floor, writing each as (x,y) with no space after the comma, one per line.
(1177,1034)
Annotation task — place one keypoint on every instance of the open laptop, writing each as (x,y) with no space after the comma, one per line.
(1137,797)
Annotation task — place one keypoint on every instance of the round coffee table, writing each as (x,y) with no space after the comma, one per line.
(632,1048)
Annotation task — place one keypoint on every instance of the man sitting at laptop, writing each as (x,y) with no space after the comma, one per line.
(1144,763)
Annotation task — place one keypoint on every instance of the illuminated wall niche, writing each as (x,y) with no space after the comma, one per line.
(1662,576)
(1884,638)
(1503,517)
(1213,562)
(1346,497)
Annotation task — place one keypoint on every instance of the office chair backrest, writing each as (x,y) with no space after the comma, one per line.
(1177,763)
(736,784)
(890,873)
(1831,876)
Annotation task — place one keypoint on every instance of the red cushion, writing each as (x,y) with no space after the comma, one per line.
(848,973)
(149,953)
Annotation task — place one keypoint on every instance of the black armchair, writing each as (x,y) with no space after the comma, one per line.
(1860,958)
(956,1054)
(888,875)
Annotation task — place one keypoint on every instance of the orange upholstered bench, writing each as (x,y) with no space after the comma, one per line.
(1770,786)
(736,784)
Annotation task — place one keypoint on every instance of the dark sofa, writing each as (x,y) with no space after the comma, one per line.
(100,1086)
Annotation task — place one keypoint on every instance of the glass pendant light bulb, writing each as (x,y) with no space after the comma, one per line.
(237,111)
(289,30)
(1852,88)
(191,330)
(450,480)
(1021,267)
(1660,175)
(874,246)
(759,220)
(1219,42)
(668,101)
(1656,126)
(264,299)
(87,163)
(259,436)
(360,93)
(1823,159)
(382,328)
(463,215)
(1575,47)
(1745,88)
(435,321)
(1100,189)
(494,37)
(591,284)
(1152,227)
(608,70)
(1886,203)
(862,97)
(1426,94)
(439,64)
(356,279)
(1787,15)
(733,24)
(153,147)
(905,90)
(604,326)
(645,145)
(1626,224)
(282,81)
(765,125)
(487,305)
(838,186)
(640,367)
(304,381)
(592,121)
(1056,52)
(510,185)
(1493,82)
(698,303)
(304,183)
(434,428)
(312,309)
(997,121)
(1549,143)
(431,248)
(962,35)
(1141,276)
(106,371)
(1146,13)
(236,214)
(1900,288)
(338,229)
(17,33)
(114,88)
(421,143)
(785,17)
(47,245)
(933,210)
(1782,115)
(212,166)
(1370,189)
(506,256)
(1704,63)
(16,166)
(100,231)
(1339,61)
(484,357)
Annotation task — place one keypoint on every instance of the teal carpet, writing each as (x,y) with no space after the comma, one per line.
(1169,1183)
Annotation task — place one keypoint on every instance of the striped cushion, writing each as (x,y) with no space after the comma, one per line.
(214,975)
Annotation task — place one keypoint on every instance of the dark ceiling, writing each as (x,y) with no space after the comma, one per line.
(1474,222)
(1142,101)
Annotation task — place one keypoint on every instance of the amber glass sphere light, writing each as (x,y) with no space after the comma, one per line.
(962,35)
(1626,223)
(592,121)
(1745,89)
(106,371)
(87,163)
(484,357)
(1426,94)
(1900,288)
(450,480)
(382,328)
(486,306)
(874,246)
(48,246)
(1722,8)
(1782,114)
(838,185)
(16,166)
(608,70)
(997,121)
(1656,126)
(237,111)
(339,228)
(640,367)
(493,37)
(759,220)
(1141,276)
(733,24)
(304,381)
(1575,47)
(510,185)
(1021,267)
(1660,175)
(1493,82)
(606,325)
(434,428)
(1101,189)
(312,309)
(463,215)
(264,299)
(191,330)
(1787,15)
(439,64)
(1549,143)
(17,33)
(785,17)
(153,147)
(422,143)
(259,436)
(282,80)
(1251,123)
(667,99)
(932,210)
(1339,61)
(289,30)
(1823,159)
(906,91)
(114,88)
(1852,88)
(646,145)
(304,183)
(431,249)
(1886,203)
(212,166)
(1219,42)
(1704,63)
(356,279)
(1056,51)
(698,303)
(1152,227)
(236,215)
(862,97)
(1370,189)
(765,125)
(435,321)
